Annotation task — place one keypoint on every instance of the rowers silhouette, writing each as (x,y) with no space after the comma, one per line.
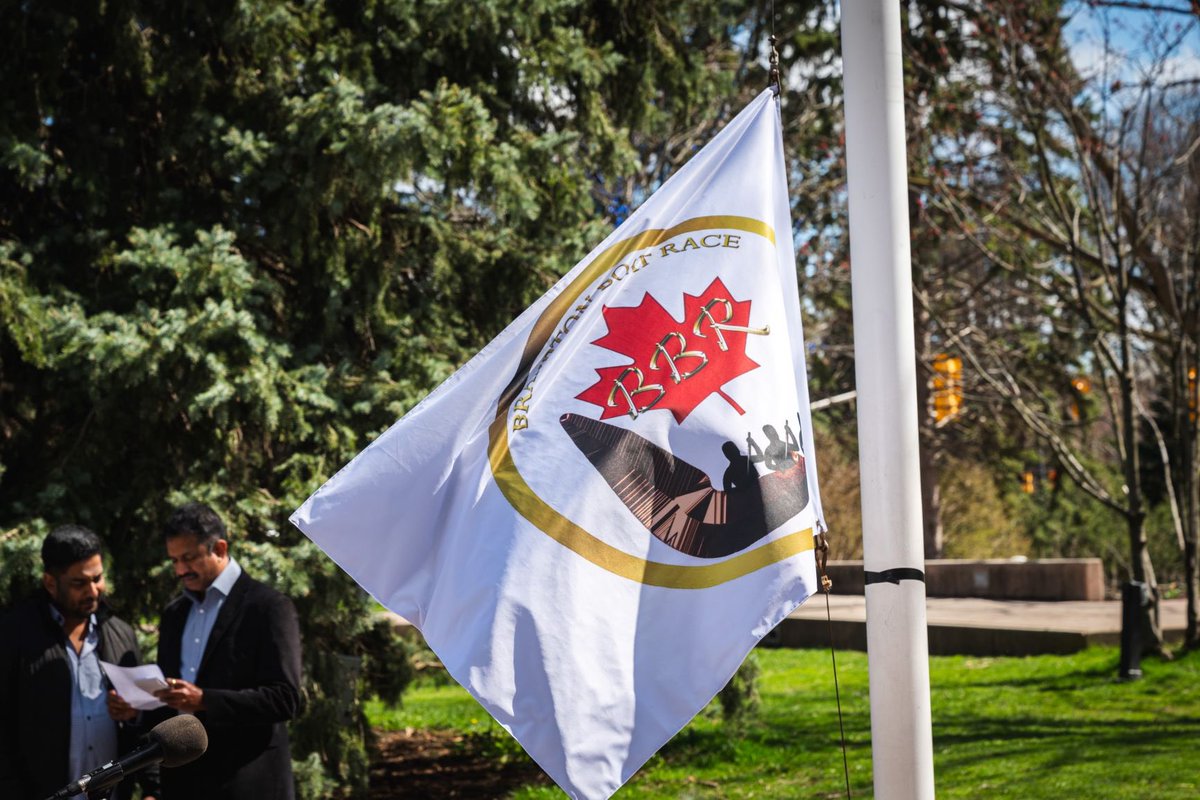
(677,502)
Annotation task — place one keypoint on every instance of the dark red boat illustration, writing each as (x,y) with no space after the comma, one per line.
(677,502)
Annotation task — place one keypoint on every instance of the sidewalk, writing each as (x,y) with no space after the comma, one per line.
(968,625)
(974,626)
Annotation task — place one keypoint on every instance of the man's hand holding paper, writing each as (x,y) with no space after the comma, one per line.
(130,685)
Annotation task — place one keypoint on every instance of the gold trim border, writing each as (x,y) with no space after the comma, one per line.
(527,503)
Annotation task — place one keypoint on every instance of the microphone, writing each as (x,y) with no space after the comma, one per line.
(173,743)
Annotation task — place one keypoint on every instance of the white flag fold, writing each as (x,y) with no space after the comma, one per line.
(595,520)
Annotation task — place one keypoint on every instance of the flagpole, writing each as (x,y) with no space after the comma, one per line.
(885,372)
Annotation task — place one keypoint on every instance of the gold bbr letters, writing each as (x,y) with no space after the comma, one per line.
(619,384)
(661,349)
(717,326)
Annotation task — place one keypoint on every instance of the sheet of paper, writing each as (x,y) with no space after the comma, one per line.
(132,682)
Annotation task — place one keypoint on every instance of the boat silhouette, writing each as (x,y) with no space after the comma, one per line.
(677,501)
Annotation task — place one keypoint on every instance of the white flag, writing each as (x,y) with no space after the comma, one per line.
(597,518)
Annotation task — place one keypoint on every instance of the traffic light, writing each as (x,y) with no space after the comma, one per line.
(1192,393)
(1038,477)
(946,387)
(1081,386)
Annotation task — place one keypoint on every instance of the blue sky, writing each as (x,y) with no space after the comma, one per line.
(1133,45)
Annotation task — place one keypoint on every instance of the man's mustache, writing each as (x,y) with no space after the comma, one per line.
(188,575)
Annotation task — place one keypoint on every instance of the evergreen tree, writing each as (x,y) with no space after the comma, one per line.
(239,238)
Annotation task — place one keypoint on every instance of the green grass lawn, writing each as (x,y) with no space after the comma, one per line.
(1038,727)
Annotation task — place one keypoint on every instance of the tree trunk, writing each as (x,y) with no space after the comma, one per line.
(1190,578)
(928,448)
(931,492)
(1139,556)
(931,502)
(1152,635)
(1189,492)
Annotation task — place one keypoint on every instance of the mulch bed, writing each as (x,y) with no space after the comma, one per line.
(441,764)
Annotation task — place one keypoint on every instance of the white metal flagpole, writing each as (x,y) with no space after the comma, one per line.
(885,373)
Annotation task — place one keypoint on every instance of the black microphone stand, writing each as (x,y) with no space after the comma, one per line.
(105,793)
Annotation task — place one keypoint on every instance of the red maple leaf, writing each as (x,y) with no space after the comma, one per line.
(676,364)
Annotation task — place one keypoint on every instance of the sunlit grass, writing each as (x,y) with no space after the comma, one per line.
(1038,727)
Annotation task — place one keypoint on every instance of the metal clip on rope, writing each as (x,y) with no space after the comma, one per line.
(821,551)
(773,75)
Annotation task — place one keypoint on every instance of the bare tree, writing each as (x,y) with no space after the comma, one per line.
(1082,193)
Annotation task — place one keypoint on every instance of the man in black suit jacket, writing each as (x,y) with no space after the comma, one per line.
(230,649)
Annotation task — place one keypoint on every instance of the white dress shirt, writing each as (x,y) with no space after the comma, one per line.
(201,618)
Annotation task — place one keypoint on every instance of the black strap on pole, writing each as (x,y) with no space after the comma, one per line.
(893,576)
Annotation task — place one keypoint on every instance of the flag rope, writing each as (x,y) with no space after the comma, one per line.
(821,551)
(773,75)
(821,544)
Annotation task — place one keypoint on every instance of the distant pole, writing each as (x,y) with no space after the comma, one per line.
(885,372)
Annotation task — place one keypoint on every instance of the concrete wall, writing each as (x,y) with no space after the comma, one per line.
(997,579)
(944,640)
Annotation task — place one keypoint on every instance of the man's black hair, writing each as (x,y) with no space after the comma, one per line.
(196,519)
(66,545)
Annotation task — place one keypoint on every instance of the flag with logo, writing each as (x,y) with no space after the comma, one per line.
(597,517)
